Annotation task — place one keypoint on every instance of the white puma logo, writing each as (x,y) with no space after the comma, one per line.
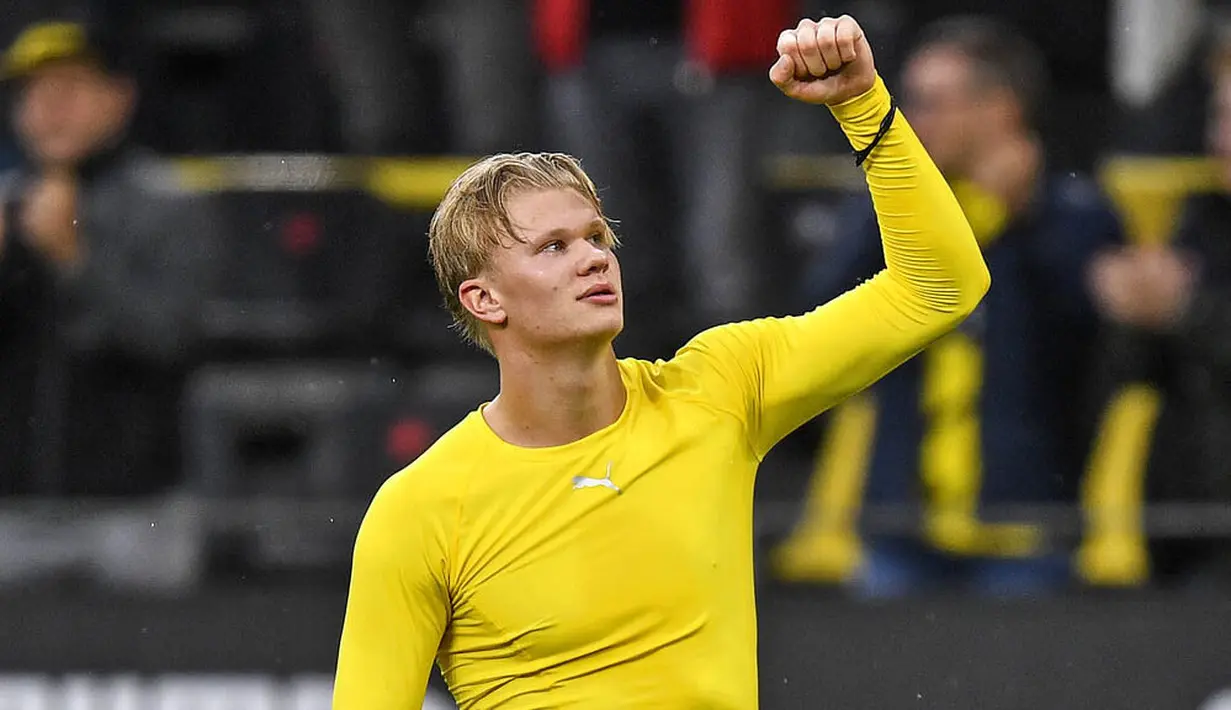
(604,482)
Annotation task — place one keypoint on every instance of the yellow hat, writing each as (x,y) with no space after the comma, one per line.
(45,42)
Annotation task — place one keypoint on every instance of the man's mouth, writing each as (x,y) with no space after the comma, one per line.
(599,293)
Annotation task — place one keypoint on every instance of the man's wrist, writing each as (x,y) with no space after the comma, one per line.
(866,118)
(868,107)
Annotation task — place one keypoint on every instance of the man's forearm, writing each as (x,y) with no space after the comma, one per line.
(929,247)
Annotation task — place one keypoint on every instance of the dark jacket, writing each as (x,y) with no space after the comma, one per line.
(92,359)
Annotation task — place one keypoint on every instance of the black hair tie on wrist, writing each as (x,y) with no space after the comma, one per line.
(886,122)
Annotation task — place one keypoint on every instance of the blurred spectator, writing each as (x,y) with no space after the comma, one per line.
(696,71)
(985,418)
(100,273)
(366,50)
(403,68)
(1171,307)
(1155,71)
(489,93)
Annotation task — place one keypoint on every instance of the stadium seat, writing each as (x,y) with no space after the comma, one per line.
(306,273)
(318,430)
(293,430)
(278,449)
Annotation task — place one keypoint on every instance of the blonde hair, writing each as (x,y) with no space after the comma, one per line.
(472,220)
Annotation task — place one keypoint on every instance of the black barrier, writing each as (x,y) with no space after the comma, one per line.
(817,651)
(1102,653)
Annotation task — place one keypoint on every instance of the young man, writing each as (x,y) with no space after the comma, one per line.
(586,537)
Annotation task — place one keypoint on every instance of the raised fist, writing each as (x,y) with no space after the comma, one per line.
(49,219)
(824,62)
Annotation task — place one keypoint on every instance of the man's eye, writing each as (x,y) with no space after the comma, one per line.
(556,245)
(599,238)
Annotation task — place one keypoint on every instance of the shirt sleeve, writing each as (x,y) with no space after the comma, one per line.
(398,605)
(778,373)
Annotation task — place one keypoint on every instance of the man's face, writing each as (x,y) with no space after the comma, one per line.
(68,110)
(943,104)
(558,285)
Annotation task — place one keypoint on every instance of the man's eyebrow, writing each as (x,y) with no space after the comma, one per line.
(560,232)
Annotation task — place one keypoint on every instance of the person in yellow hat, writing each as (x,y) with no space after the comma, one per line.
(100,274)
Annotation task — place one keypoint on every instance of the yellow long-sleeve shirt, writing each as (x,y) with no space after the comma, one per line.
(617,571)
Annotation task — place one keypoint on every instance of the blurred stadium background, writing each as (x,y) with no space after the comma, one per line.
(212,369)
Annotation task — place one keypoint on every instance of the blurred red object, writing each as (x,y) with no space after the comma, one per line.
(723,35)
(407,438)
(301,234)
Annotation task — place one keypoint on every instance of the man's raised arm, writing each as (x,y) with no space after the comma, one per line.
(791,369)
(934,264)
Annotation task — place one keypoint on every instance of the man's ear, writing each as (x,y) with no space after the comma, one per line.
(478,298)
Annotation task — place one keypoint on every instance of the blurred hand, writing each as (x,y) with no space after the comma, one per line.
(824,62)
(1111,278)
(49,219)
(1143,287)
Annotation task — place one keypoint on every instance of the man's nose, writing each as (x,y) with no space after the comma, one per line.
(596,259)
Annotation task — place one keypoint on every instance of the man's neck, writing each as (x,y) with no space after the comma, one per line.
(554,399)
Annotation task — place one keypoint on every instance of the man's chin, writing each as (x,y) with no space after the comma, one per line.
(604,333)
(609,334)
(60,156)
(596,336)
